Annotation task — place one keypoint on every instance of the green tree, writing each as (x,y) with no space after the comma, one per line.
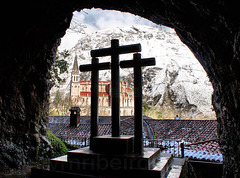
(66,105)
(57,102)
(60,104)
(59,67)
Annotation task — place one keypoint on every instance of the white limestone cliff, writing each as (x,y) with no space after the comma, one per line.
(177,84)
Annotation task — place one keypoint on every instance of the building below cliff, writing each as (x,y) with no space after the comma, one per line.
(80,92)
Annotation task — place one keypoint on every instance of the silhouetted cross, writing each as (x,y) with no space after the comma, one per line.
(94,68)
(137,64)
(114,51)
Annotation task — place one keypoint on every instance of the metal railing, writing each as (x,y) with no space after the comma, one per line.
(175,147)
(77,141)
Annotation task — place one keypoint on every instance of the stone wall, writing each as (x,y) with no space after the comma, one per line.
(211,29)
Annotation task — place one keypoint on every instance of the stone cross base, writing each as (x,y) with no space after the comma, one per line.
(86,163)
(112,145)
(96,161)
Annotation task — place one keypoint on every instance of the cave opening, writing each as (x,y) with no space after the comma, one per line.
(173,91)
(209,29)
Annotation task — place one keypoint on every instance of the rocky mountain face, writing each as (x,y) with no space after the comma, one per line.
(176,85)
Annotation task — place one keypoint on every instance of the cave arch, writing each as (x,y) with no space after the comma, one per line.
(210,29)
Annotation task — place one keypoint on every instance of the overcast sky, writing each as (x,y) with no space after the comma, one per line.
(96,19)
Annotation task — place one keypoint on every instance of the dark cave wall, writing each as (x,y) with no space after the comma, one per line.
(31,34)
(31,37)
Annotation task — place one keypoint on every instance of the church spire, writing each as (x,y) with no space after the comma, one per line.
(75,70)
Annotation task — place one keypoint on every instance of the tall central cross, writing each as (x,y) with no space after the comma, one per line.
(114,51)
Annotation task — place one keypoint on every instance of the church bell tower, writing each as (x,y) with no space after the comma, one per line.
(75,84)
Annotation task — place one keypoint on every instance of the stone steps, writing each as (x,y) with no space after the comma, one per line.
(151,164)
(176,168)
(164,164)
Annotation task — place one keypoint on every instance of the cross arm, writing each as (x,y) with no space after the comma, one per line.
(141,62)
(99,66)
(120,50)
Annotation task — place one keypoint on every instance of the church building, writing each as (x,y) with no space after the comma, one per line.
(80,91)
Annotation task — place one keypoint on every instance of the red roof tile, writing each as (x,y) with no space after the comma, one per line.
(89,81)
(89,93)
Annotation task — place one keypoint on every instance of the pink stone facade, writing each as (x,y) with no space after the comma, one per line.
(81,96)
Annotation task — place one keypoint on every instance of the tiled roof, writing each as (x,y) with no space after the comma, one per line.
(89,93)
(188,130)
(58,119)
(60,126)
(199,136)
(207,151)
(89,82)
